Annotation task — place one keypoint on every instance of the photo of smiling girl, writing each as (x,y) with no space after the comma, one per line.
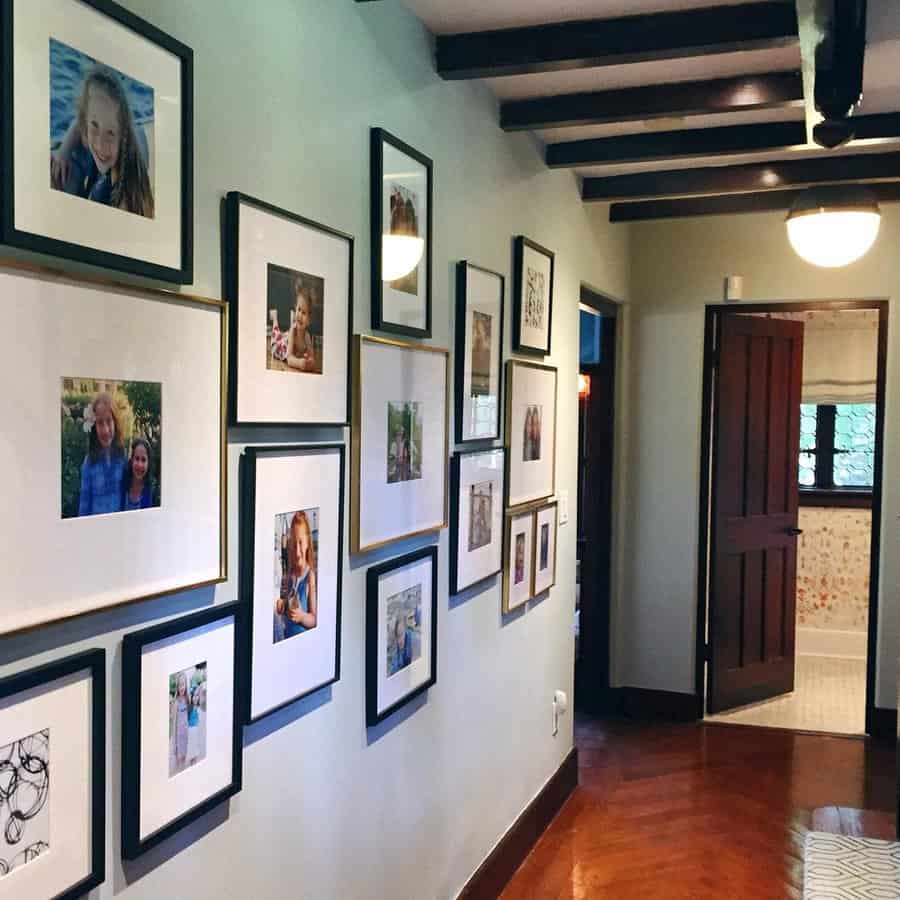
(137,483)
(100,148)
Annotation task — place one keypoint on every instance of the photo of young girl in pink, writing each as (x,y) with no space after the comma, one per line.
(187,718)
(294,335)
(99,149)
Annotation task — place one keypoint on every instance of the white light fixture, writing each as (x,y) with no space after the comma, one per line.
(834,225)
(400,254)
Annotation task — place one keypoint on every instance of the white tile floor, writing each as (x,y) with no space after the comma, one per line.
(829,695)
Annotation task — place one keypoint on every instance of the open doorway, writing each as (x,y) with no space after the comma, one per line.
(791,482)
(596,426)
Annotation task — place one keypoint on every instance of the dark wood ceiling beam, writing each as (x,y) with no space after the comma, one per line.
(696,143)
(745,179)
(630,39)
(766,201)
(685,144)
(776,90)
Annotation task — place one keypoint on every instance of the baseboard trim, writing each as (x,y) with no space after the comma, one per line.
(495,872)
(883,725)
(668,706)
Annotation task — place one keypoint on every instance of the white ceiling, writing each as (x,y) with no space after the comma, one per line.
(881,80)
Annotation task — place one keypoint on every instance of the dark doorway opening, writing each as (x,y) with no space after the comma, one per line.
(596,427)
(727,581)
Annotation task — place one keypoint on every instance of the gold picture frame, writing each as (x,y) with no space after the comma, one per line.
(53,276)
(512,367)
(554,505)
(356,441)
(510,516)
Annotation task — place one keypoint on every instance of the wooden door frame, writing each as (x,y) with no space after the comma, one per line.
(598,674)
(714,313)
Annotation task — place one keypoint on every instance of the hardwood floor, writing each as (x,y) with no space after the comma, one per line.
(702,811)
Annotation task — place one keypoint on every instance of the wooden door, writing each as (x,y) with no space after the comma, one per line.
(753,527)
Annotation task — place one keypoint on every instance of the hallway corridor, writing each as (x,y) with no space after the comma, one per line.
(672,812)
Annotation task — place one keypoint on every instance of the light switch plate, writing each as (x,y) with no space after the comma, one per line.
(563,507)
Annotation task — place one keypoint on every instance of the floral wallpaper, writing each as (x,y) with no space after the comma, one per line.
(833,568)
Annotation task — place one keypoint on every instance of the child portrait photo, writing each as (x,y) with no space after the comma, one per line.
(481,354)
(101,132)
(295,608)
(531,434)
(519,575)
(545,545)
(404,222)
(535,304)
(24,800)
(111,435)
(404,629)
(480,514)
(187,718)
(295,321)
(404,435)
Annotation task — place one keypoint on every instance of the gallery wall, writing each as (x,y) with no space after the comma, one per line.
(676,268)
(284,99)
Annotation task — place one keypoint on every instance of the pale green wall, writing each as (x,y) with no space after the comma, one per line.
(286,91)
(677,267)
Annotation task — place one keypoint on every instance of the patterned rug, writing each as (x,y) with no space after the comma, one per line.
(838,867)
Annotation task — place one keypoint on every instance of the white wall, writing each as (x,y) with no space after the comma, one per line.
(677,267)
(285,94)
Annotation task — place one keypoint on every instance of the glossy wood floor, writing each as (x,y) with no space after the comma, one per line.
(703,811)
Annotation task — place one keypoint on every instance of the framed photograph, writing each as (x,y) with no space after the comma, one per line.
(181,728)
(544,548)
(401,183)
(401,632)
(400,441)
(532,297)
(479,351)
(530,432)
(518,584)
(476,520)
(122,462)
(292,561)
(53,779)
(97,131)
(289,282)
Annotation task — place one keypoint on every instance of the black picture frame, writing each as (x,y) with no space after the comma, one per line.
(373,717)
(231,222)
(462,305)
(519,245)
(247,477)
(37,243)
(132,646)
(95,662)
(455,463)
(378,138)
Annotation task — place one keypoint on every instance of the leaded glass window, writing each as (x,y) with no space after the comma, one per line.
(837,445)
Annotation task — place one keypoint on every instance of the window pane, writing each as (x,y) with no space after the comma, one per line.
(854,444)
(807,470)
(807,426)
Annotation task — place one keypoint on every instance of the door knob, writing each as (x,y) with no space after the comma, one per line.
(793,532)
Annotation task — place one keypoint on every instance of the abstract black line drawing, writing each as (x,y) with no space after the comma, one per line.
(24,800)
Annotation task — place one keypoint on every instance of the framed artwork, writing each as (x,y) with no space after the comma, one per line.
(530,431)
(97,132)
(518,583)
(476,520)
(401,184)
(292,561)
(532,297)
(289,282)
(181,728)
(53,779)
(400,441)
(122,462)
(544,548)
(401,632)
(479,351)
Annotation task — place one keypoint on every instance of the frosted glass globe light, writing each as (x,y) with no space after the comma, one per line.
(400,254)
(833,227)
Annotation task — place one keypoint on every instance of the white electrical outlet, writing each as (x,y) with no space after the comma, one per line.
(563,507)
